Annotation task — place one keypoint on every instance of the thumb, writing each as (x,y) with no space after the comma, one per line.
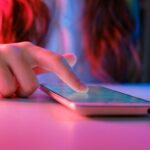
(70,58)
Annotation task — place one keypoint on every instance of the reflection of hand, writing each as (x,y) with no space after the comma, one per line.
(20,62)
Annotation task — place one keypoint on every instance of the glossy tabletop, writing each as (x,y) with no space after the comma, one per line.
(39,123)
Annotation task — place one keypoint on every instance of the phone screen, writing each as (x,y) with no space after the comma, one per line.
(95,94)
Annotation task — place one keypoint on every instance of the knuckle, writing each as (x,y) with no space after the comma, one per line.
(14,48)
(5,48)
(10,49)
(26,43)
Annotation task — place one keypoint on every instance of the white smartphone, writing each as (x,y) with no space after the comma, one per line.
(98,101)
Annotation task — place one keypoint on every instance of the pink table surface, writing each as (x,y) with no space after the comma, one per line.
(39,123)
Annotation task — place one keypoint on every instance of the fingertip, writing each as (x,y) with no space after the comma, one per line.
(83,88)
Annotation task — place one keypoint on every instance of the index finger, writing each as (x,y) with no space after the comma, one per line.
(57,64)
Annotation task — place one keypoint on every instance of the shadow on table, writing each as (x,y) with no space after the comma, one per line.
(118,118)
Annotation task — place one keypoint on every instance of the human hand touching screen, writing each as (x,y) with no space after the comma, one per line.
(21,62)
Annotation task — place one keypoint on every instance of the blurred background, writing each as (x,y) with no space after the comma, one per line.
(141,13)
(144,40)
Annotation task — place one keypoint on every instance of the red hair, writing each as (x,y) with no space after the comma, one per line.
(108,45)
(107,39)
(23,20)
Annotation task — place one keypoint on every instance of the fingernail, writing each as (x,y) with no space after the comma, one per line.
(84,88)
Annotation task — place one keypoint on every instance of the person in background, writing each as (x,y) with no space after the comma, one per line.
(36,39)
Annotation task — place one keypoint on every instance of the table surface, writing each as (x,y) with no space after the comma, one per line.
(39,123)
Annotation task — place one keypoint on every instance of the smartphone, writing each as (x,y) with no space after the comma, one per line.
(97,101)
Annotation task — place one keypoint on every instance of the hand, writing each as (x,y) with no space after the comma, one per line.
(21,62)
